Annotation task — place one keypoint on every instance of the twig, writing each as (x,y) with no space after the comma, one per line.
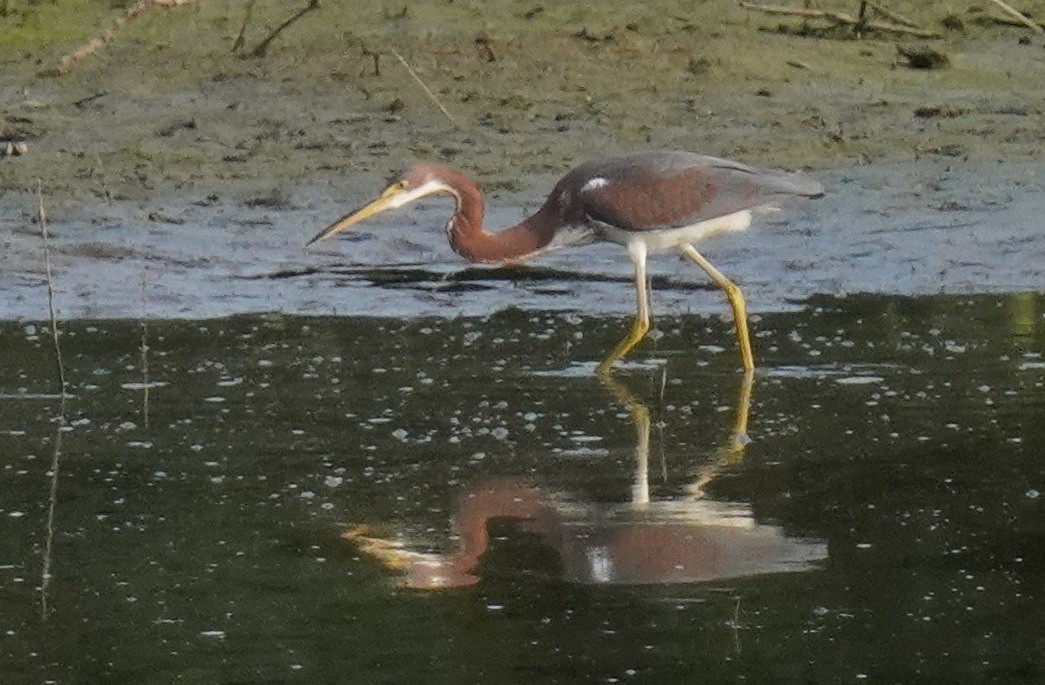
(893,28)
(736,627)
(145,353)
(66,64)
(241,39)
(891,15)
(42,216)
(45,572)
(376,56)
(263,46)
(429,93)
(840,18)
(861,20)
(83,102)
(1019,15)
(45,579)
(1006,21)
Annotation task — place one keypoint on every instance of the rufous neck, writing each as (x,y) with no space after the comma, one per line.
(471,240)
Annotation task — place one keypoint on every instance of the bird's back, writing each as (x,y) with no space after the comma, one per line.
(659,190)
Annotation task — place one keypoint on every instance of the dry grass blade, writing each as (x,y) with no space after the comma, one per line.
(45,573)
(891,15)
(1005,7)
(860,24)
(145,351)
(807,13)
(427,91)
(45,579)
(42,217)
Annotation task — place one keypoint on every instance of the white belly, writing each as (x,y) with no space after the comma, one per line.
(659,241)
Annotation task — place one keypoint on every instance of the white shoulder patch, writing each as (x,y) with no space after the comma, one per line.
(595,184)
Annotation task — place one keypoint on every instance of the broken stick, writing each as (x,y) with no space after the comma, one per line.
(66,64)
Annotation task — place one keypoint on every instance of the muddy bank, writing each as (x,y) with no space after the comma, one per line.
(181,178)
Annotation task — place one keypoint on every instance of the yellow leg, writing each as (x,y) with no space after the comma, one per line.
(736,299)
(740,437)
(640,327)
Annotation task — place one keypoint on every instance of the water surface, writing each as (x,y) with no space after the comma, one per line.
(185,519)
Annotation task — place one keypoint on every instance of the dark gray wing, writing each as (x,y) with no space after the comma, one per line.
(661,189)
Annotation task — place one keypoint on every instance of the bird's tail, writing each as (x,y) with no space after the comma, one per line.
(798,184)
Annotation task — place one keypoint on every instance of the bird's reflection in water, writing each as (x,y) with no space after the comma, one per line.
(685,539)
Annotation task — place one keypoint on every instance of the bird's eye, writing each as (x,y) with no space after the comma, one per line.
(395,188)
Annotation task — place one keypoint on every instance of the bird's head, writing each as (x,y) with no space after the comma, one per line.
(405,187)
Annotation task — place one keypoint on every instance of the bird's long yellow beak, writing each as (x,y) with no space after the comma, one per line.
(389,199)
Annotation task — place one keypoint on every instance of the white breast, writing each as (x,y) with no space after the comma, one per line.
(659,241)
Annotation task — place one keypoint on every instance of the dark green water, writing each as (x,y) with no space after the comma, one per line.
(193,533)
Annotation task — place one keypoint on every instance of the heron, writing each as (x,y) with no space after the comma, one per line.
(648,202)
